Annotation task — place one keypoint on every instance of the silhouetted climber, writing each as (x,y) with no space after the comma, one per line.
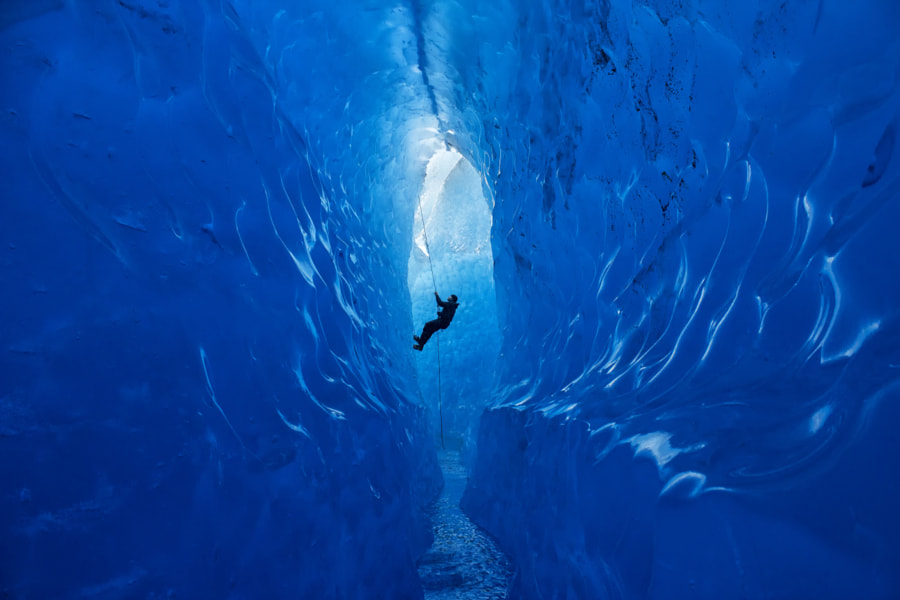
(445,315)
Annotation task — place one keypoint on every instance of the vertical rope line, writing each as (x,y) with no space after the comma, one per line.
(427,249)
(440,410)
(434,283)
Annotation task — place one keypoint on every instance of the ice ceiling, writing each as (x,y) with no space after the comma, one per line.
(671,225)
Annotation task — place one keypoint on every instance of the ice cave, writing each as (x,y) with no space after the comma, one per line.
(674,372)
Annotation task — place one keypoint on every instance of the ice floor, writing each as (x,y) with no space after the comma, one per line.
(463,562)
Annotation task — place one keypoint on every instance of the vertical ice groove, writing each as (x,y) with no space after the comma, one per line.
(304,267)
(716,325)
(298,427)
(307,230)
(237,229)
(678,293)
(78,212)
(301,380)
(204,362)
(135,53)
(670,356)
(829,309)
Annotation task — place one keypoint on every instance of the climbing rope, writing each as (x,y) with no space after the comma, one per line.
(434,283)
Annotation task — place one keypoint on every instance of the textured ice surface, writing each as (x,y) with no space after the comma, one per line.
(207,219)
(699,372)
(206,388)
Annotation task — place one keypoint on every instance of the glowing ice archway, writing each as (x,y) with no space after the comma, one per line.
(454,215)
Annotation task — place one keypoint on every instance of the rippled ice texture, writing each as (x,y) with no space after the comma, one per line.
(206,384)
(697,204)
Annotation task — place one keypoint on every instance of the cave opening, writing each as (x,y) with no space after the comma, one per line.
(451,253)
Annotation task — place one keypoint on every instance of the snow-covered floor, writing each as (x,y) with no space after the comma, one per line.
(464,562)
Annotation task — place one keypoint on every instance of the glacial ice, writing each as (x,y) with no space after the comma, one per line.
(675,369)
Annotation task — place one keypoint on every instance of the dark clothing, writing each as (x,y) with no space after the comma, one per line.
(448,310)
(430,328)
(445,315)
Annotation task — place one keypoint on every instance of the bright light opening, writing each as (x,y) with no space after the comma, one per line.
(456,237)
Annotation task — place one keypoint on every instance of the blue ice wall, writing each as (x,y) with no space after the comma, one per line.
(206,386)
(203,389)
(696,256)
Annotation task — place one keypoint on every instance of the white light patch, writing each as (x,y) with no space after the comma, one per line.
(658,445)
(817,420)
(862,335)
(684,486)
(451,253)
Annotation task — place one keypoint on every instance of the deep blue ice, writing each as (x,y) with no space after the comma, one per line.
(671,225)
